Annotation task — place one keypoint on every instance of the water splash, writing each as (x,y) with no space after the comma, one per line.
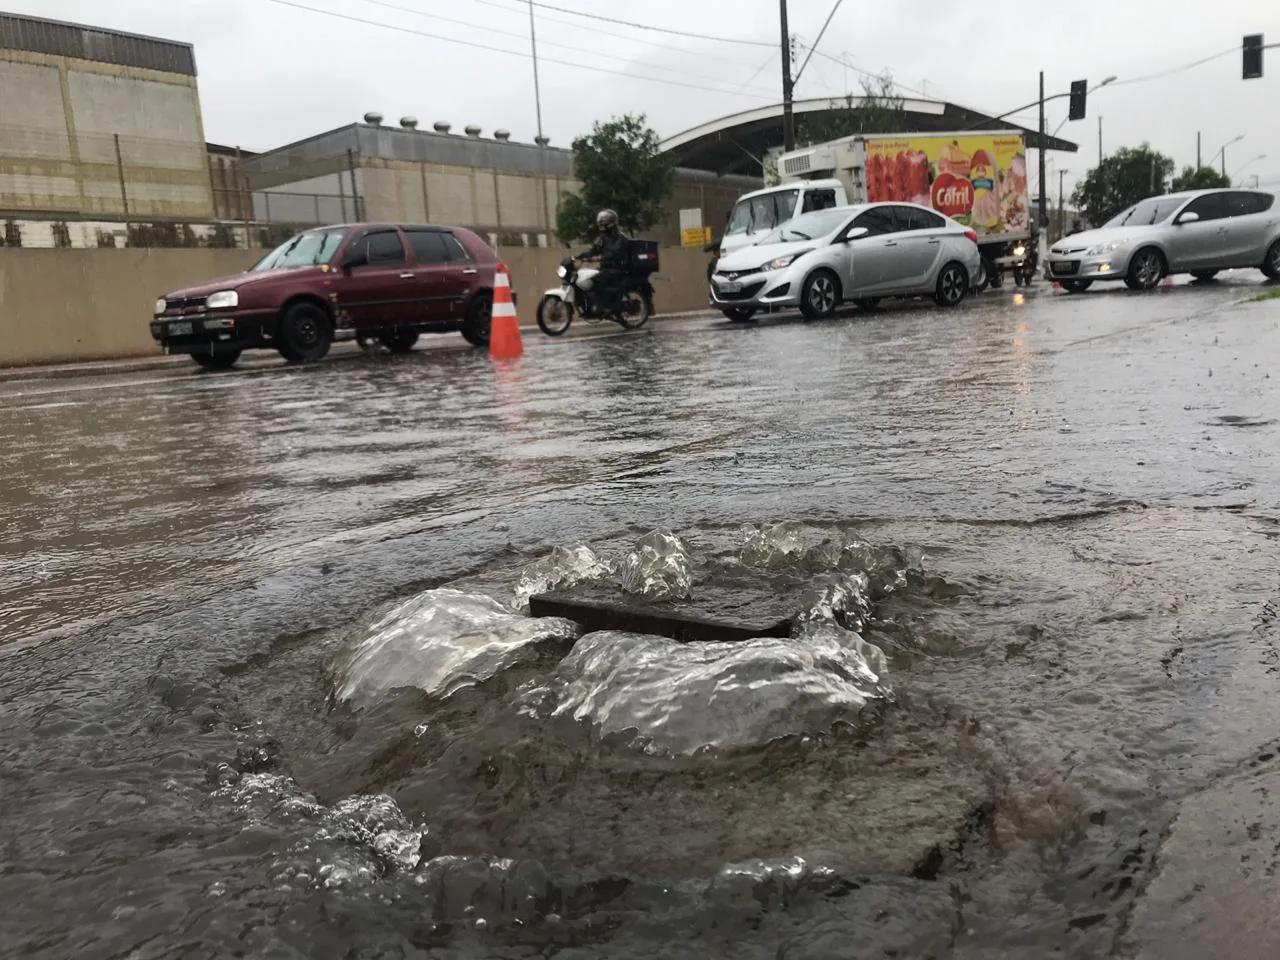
(772,547)
(442,641)
(671,698)
(353,843)
(660,567)
(563,567)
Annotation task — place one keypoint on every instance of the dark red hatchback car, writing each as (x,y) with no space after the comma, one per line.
(381,282)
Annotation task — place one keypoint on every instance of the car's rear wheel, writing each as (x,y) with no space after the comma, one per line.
(224,360)
(952,286)
(1146,269)
(1271,265)
(820,295)
(1076,286)
(1204,275)
(398,341)
(868,303)
(475,329)
(738,314)
(304,334)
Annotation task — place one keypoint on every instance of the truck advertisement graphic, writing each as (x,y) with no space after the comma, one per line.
(979,180)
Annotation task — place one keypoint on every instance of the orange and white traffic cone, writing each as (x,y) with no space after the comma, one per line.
(504,327)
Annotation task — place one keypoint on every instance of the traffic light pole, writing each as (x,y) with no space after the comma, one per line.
(1044,218)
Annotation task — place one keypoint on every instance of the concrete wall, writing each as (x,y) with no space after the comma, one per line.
(59,119)
(66,305)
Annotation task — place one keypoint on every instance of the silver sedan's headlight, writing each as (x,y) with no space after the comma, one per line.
(1102,249)
(161,306)
(786,261)
(223,300)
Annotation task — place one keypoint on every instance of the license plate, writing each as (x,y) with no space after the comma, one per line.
(730,286)
(179,329)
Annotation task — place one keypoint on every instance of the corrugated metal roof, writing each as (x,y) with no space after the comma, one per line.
(59,39)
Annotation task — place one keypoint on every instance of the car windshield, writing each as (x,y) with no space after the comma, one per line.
(1146,213)
(808,226)
(308,249)
(762,213)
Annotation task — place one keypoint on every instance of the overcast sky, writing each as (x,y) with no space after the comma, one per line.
(271,73)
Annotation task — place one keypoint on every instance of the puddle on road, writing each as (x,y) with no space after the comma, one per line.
(1234,420)
(949,715)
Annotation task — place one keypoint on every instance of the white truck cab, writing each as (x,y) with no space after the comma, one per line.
(761,211)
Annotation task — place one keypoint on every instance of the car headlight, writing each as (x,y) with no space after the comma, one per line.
(223,300)
(1102,249)
(161,306)
(786,261)
(561,272)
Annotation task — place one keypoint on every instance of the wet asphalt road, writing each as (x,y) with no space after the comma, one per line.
(1078,758)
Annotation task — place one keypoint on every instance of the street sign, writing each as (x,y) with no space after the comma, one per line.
(695,236)
(1253,56)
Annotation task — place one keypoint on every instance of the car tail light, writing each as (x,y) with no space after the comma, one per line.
(971,235)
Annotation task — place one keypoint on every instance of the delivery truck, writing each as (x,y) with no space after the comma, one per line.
(978,179)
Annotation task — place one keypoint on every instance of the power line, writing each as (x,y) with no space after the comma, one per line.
(1173,70)
(514,53)
(645,26)
(521,36)
(521,6)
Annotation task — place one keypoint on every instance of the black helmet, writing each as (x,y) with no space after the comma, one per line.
(606,220)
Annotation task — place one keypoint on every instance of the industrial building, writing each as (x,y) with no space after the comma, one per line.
(98,125)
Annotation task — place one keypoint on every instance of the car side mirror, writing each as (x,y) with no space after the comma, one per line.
(1189,217)
(357,256)
(854,233)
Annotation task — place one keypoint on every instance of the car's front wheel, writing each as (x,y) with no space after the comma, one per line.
(223,360)
(1271,265)
(304,334)
(820,295)
(1146,269)
(953,284)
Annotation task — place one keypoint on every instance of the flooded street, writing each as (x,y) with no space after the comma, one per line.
(269,690)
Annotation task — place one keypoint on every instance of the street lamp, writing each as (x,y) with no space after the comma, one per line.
(1261,156)
(1223,153)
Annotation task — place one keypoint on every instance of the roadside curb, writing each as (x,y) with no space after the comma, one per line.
(100,368)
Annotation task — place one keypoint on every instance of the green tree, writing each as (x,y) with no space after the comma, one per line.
(1200,178)
(879,110)
(620,168)
(1121,180)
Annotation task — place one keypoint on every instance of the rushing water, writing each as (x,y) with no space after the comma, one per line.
(270,686)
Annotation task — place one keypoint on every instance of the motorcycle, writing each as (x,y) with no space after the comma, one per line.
(1024,263)
(631,309)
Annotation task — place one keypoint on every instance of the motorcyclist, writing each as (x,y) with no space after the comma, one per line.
(613,249)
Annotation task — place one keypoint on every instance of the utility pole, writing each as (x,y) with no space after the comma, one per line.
(1044,218)
(537,89)
(788,117)
(1198,164)
(1099,141)
(1062,213)
(1224,161)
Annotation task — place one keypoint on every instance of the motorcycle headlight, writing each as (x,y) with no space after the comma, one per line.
(223,301)
(1019,251)
(562,271)
(786,261)
(1102,249)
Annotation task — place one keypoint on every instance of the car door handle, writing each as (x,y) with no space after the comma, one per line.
(469,270)
(934,242)
(891,243)
(407,276)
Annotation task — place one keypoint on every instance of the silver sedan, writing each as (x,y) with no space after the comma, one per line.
(860,253)
(1199,233)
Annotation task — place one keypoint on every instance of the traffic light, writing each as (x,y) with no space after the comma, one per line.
(1253,56)
(1079,91)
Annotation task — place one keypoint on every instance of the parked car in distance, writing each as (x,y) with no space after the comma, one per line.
(1198,232)
(368,280)
(861,253)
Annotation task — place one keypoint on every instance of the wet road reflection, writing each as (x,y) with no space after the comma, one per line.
(1091,480)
